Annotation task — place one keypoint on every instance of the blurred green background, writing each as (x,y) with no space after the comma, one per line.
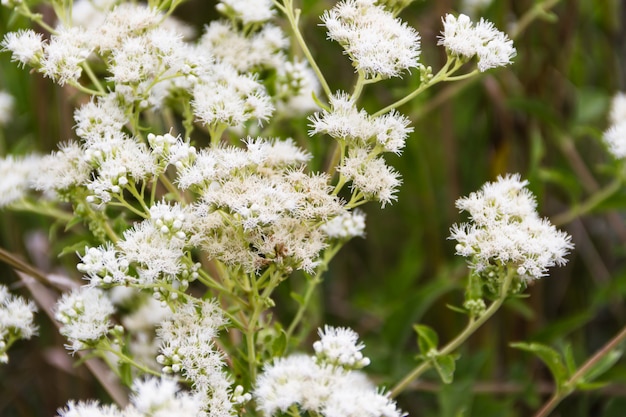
(543,117)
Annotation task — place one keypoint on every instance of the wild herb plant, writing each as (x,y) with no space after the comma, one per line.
(192,207)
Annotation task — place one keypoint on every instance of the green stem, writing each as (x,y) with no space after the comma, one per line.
(470,328)
(589,204)
(93,77)
(293,16)
(442,75)
(570,384)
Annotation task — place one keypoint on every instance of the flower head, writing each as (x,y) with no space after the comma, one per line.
(505,230)
(378,43)
(462,38)
(16,320)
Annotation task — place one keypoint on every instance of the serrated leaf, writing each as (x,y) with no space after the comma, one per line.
(445,366)
(427,338)
(550,357)
(72,249)
(75,220)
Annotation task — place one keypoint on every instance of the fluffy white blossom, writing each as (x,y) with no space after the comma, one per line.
(618,109)
(187,348)
(319,387)
(16,176)
(263,49)
(506,230)
(26,46)
(378,43)
(63,170)
(345,122)
(346,225)
(340,346)
(371,176)
(462,38)
(296,85)
(16,320)
(247,11)
(84,317)
(151,397)
(64,54)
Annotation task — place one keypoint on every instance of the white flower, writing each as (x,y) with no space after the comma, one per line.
(90,408)
(230,99)
(296,85)
(247,11)
(506,230)
(615,139)
(371,176)
(26,46)
(345,226)
(618,109)
(16,176)
(64,54)
(340,346)
(378,43)
(7,103)
(321,389)
(16,320)
(461,38)
(345,122)
(84,316)
(187,347)
(63,170)
(163,397)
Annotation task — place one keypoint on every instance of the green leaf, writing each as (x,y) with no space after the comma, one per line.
(427,338)
(279,345)
(298,298)
(550,357)
(445,366)
(601,366)
(570,362)
(76,247)
(456,309)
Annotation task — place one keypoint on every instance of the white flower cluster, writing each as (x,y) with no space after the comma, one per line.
(462,38)
(247,11)
(321,386)
(16,320)
(366,137)
(346,225)
(378,43)
(339,346)
(615,136)
(84,317)
(152,397)
(188,348)
(17,174)
(505,230)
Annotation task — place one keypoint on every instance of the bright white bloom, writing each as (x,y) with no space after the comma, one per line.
(461,38)
(105,266)
(247,11)
(506,230)
(340,346)
(152,397)
(101,118)
(260,50)
(187,348)
(162,397)
(322,388)
(6,107)
(345,226)
(378,43)
(90,13)
(63,170)
(124,21)
(230,99)
(84,317)
(16,176)
(16,320)
(26,46)
(345,122)
(64,54)
(371,176)
(615,140)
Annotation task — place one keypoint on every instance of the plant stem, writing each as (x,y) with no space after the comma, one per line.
(287,8)
(470,328)
(570,385)
(589,204)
